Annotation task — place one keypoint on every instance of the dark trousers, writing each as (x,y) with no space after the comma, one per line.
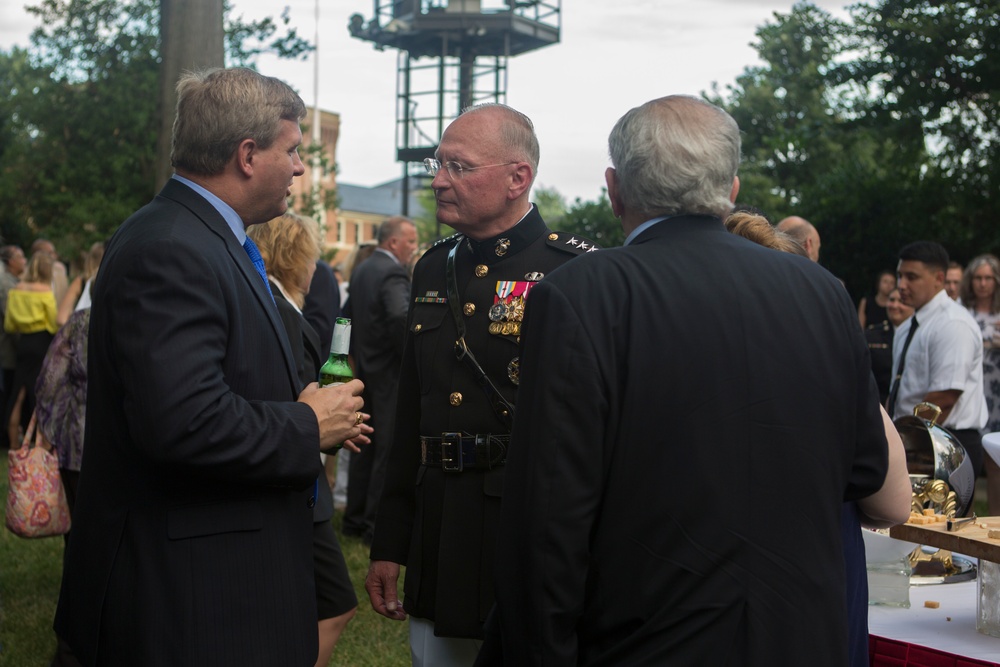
(364,488)
(972,441)
(358,483)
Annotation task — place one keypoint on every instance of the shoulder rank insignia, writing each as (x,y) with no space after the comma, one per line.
(571,243)
(447,241)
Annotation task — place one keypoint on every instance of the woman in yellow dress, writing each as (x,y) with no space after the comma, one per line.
(31,316)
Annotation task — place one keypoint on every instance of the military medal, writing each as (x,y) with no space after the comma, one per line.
(514,370)
(515,312)
(507,310)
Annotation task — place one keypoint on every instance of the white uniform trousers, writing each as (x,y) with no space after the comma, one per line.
(427,650)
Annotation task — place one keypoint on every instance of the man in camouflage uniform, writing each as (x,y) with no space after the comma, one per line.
(458,383)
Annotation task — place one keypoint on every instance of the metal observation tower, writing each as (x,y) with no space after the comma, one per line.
(452,54)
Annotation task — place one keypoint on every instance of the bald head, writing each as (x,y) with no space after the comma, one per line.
(802,231)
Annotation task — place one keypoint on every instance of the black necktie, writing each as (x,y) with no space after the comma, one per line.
(890,404)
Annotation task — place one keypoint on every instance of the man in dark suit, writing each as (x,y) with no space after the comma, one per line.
(694,409)
(380,297)
(192,532)
(439,509)
(322,306)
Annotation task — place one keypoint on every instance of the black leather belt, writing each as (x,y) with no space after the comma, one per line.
(456,452)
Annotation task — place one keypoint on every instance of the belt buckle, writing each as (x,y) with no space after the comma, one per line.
(451,451)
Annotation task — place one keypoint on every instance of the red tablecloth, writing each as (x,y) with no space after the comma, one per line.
(892,653)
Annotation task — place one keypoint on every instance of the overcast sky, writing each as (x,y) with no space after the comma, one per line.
(612,56)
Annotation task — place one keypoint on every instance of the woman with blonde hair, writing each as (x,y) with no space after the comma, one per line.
(77,295)
(756,228)
(290,247)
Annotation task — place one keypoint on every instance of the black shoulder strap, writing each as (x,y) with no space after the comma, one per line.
(503,408)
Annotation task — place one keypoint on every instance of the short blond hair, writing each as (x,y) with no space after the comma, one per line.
(289,245)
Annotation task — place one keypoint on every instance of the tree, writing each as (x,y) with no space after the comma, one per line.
(934,65)
(594,220)
(82,160)
(190,39)
(78,143)
(825,137)
(551,205)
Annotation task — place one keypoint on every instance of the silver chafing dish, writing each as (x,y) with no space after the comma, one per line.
(932,452)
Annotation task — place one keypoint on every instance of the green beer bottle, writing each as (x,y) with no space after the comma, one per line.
(336,370)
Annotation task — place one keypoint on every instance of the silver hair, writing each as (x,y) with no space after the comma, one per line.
(968,295)
(516,135)
(676,154)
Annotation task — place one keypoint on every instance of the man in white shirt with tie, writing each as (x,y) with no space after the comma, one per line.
(937,355)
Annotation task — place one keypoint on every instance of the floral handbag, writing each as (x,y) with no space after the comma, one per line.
(36,500)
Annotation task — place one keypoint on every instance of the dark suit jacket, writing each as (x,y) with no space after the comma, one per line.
(378,304)
(322,307)
(192,534)
(693,411)
(305,345)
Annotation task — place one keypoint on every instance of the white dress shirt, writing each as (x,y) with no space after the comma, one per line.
(946,353)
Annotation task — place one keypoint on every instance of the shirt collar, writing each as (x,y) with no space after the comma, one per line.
(939,302)
(284,293)
(231,217)
(643,227)
(386,252)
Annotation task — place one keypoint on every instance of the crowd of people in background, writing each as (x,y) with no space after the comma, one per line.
(36,301)
(219,378)
(960,364)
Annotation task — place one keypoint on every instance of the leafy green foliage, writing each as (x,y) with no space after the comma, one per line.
(551,205)
(78,132)
(428,228)
(880,131)
(245,41)
(594,220)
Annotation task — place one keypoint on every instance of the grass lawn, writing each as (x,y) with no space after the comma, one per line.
(29,587)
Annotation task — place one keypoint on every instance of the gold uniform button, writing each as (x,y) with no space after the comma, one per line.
(553,237)
(455,399)
(469,309)
(482,270)
(418,327)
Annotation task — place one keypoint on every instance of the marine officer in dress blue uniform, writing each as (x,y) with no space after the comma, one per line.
(458,385)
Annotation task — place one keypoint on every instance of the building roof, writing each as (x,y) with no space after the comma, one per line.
(384,199)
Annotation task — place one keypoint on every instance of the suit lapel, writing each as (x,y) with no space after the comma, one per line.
(214,221)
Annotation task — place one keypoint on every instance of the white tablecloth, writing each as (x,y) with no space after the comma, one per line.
(931,627)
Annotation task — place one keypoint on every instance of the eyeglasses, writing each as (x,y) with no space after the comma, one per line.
(455,169)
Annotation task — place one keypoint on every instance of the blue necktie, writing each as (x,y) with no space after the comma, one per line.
(258,262)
